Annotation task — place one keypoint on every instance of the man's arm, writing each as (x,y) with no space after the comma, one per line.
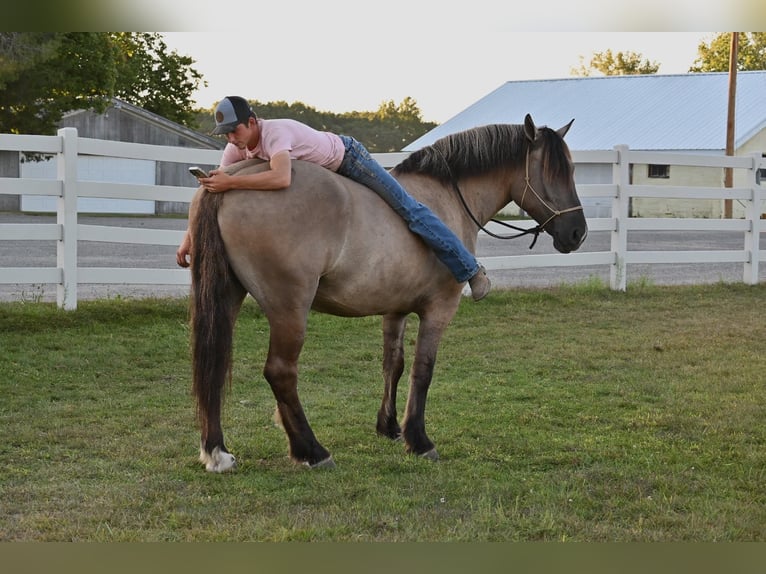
(275,178)
(278,176)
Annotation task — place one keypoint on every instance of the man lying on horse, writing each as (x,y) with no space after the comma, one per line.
(280,141)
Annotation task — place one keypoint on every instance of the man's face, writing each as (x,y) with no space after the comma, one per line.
(244,135)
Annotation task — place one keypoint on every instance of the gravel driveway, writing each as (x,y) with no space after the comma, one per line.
(92,254)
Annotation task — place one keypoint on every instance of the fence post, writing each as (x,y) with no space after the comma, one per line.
(620,212)
(753,214)
(66,217)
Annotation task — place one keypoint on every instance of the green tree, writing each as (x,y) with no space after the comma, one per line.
(713,56)
(619,64)
(21,50)
(388,129)
(392,126)
(152,78)
(42,86)
(43,76)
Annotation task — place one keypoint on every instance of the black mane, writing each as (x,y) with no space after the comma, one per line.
(478,150)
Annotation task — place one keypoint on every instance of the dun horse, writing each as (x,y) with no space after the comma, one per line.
(331,245)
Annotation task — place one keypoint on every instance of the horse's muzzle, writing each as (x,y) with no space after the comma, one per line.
(569,238)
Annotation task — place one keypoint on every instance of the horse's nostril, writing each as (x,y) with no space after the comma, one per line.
(579,235)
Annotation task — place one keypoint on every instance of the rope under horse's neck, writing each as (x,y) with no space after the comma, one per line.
(527,186)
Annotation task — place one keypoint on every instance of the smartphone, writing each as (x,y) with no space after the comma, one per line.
(198,172)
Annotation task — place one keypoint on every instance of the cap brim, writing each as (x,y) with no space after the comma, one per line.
(224,129)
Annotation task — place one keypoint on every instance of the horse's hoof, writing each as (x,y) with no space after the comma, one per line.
(326,463)
(431,455)
(218,460)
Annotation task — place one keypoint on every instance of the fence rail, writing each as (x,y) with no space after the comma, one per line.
(67,232)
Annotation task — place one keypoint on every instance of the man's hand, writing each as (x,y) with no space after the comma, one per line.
(219,181)
(183,254)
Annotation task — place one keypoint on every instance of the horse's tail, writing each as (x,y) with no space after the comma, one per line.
(211,317)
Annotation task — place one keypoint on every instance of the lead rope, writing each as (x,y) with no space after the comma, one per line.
(522,231)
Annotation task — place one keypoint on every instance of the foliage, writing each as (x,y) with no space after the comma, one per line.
(620,64)
(43,76)
(388,129)
(570,413)
(151,78)
(713,56)
(79,74)
(21,50)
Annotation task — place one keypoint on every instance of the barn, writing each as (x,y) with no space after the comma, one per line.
(123,122)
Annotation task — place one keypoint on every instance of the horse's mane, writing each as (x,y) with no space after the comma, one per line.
(477,150)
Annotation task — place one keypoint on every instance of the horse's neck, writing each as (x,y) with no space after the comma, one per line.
(487,194)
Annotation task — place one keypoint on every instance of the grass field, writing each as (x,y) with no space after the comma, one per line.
(573,413)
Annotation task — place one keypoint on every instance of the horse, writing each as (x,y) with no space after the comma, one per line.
(331,245)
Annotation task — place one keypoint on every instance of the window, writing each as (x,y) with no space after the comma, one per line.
(659,171)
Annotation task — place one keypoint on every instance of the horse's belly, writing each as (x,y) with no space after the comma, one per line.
(358,299)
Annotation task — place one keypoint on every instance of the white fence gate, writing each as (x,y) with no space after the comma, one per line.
(67,188)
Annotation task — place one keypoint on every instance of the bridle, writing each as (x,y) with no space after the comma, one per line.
(527,186)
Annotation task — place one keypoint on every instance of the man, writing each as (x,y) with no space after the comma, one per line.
(280,141)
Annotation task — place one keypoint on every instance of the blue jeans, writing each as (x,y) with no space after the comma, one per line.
(361,167)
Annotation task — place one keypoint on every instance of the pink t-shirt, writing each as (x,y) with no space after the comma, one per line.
(303,142)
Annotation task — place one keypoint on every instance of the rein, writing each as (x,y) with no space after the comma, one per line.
(527,186)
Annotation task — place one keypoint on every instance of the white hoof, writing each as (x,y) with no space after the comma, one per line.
(218,460)
(326,463)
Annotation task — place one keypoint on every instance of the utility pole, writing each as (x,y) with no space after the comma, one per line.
(728,179)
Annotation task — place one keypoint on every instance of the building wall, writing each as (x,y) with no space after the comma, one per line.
(755,145)
(9,167)
(698,176)
(678,176)
(127,124)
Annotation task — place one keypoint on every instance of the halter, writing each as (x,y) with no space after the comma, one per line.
(527,186)
(554,212)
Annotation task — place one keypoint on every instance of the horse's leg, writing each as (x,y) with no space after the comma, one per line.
(212,365)
(393,367)
(413,425)
(288,329)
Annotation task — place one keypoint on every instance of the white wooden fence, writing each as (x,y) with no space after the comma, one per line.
(66,232)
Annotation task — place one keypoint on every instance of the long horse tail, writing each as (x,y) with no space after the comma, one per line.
(211,318)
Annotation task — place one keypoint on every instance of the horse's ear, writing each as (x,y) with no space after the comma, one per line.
(530,129)
(563,130)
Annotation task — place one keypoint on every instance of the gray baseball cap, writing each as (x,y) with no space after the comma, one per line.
(229,113)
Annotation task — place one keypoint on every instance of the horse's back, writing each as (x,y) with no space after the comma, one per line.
(327,238)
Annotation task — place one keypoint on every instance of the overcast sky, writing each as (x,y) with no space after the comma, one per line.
(445,66)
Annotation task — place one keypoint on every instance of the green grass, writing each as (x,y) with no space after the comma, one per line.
(573,413)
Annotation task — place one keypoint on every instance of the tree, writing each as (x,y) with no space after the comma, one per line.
(619,64)
(21,50)
(388,129)
(714,56)
(151,78)
(43,76)
(73,71)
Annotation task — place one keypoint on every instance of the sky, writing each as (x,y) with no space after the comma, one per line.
(442,71)
(353,55)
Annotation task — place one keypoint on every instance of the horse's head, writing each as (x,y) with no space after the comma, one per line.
(549,194)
